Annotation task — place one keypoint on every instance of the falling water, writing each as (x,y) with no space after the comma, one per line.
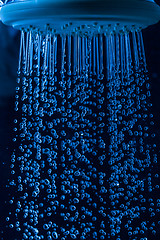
(84,155)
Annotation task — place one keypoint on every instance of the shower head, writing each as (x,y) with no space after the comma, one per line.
(76,15)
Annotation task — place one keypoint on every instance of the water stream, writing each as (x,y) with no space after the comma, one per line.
(85,147)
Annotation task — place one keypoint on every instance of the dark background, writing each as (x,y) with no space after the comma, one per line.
(9,51)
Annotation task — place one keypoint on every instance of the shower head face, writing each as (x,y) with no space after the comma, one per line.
(80,15)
